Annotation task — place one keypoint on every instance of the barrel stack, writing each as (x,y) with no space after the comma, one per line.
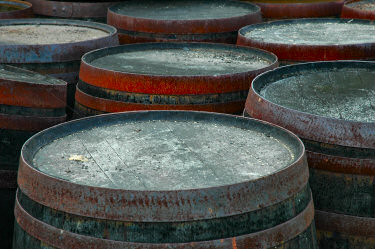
(183,20)
(169,76)
(329,105)
(29,103)
(164,179)
(12,9)
(52,47)
(307,40)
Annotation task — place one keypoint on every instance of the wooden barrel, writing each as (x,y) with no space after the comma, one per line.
(85,10)
(360,9)
(305,40)
(330,106)
(168,76)
(29,102)
(164,179)
(184,20)
(11,9)
(52,47)
(289,9)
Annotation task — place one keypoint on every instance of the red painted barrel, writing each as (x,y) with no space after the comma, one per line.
(304,40)
(288,9)
(29,103)
(52,47)
(11,9)
(329,105)
(164,179)
(360,9)
(169,76)
(195,21)
(87,10)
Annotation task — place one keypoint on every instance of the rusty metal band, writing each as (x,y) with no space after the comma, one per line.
(33,112)
(109,105)
(264,239)
(342,193)
(345,224)
(130,97)
(71,9)
(128,37)
(202,26)
(309,126)
(25,11)
(165,84)
(352,12)
(28,123)
(158,206)
(64,52)
(301,10)
(27,94)
(298,52)
(50,68)
(8,178)
(177,232)
(340,159)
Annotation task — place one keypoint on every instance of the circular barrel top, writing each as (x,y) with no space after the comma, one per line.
(333,102)
(176,59)
(313,39)
(174,68)
(362,9)
(183,16)
(362,5)
(161,153)
(312,32)
(10,73)
(15,9)
(46,40)
(30,34)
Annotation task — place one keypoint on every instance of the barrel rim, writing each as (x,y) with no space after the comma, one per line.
(321,121)
(169,26)
(57,82)
(250,27)
(54,52)
(244,30)
(166,84)
(30,178)
(24,4)
(348,11)
(345,224)
(42,7)
(86,59)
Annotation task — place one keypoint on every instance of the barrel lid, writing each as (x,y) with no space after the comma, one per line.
(313,39)
(183,17)
(331,102)
(366,5)
(10,73)
(51,40)
(13,5)
(180,59)
(175,68)
(170,155)
(313,32)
